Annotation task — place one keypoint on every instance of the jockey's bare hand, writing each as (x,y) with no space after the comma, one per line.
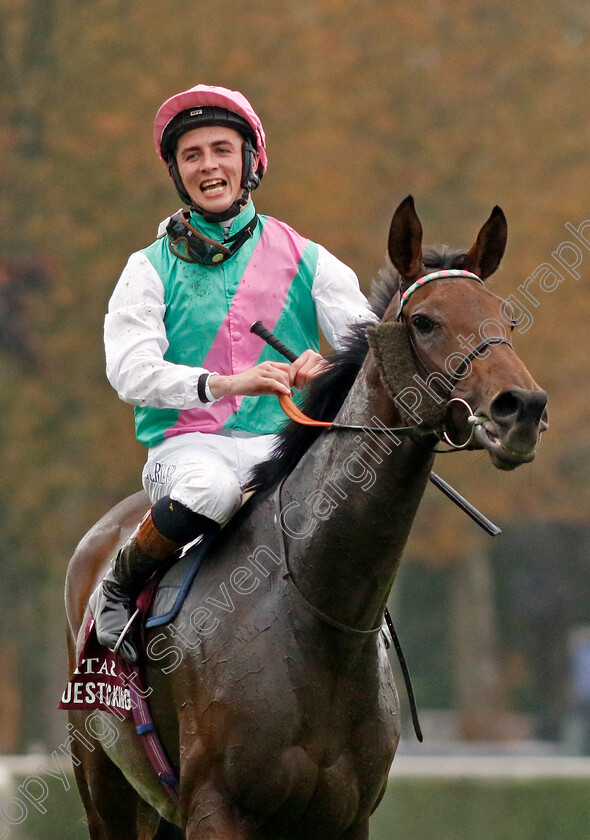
(265,378)
(308,365)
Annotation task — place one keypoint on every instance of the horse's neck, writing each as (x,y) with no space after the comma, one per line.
(349,507)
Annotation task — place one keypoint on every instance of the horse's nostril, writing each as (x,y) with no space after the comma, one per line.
(519,405)
(505,406)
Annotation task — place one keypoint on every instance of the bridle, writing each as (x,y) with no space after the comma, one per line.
(473,420)
(428,367)
(295,413)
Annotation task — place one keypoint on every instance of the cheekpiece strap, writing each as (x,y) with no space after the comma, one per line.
(435,275)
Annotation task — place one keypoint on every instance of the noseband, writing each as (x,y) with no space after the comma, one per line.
(472,419)
(294,412)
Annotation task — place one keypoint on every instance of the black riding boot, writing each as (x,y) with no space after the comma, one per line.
(140,557)
(145,552)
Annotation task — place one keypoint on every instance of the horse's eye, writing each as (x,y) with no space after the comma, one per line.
(423,324)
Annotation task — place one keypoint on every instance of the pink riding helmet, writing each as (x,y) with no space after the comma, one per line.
(220,97)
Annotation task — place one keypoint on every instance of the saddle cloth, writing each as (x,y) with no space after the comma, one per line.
(176,583)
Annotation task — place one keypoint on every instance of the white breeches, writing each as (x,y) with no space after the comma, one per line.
(205,472)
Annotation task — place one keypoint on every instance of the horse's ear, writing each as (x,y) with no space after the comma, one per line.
(484,257)
(405,240)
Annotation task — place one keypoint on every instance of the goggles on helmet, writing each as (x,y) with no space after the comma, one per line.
(189,245)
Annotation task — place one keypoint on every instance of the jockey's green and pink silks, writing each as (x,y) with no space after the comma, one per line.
(209,311)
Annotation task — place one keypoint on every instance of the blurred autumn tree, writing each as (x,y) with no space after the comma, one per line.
(465,105)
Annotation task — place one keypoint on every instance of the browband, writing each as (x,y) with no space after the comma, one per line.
(435,275)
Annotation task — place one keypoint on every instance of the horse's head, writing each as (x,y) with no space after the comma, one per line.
(460,354)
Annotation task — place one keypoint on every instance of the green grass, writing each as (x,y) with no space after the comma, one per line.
(433,809)
(63,818)
(413,809)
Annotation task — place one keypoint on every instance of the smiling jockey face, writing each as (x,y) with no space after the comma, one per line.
(207,107)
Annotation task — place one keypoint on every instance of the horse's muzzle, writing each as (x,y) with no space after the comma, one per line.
(517,418)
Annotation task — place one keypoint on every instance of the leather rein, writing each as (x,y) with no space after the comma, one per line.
(338,625)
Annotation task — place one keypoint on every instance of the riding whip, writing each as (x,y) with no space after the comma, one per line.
(259,329)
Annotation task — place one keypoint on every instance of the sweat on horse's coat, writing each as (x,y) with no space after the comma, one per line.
(327,392)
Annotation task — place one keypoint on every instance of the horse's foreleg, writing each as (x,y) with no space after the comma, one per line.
(112,805)
(212,816)
(357,832)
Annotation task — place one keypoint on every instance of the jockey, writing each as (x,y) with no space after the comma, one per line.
(178,342)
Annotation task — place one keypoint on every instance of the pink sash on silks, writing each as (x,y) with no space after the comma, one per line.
(262,290)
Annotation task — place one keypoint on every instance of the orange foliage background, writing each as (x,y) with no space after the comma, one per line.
(462,104)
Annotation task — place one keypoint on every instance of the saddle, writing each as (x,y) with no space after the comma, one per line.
(103,681)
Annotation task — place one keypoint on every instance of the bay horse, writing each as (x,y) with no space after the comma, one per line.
(272,690)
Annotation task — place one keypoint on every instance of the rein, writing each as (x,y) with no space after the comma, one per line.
(297,415)
(294,413)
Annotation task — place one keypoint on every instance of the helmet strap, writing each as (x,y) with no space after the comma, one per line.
(250,178)
(175,175)
(225,215)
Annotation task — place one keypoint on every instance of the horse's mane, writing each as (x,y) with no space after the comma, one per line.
(326,393)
